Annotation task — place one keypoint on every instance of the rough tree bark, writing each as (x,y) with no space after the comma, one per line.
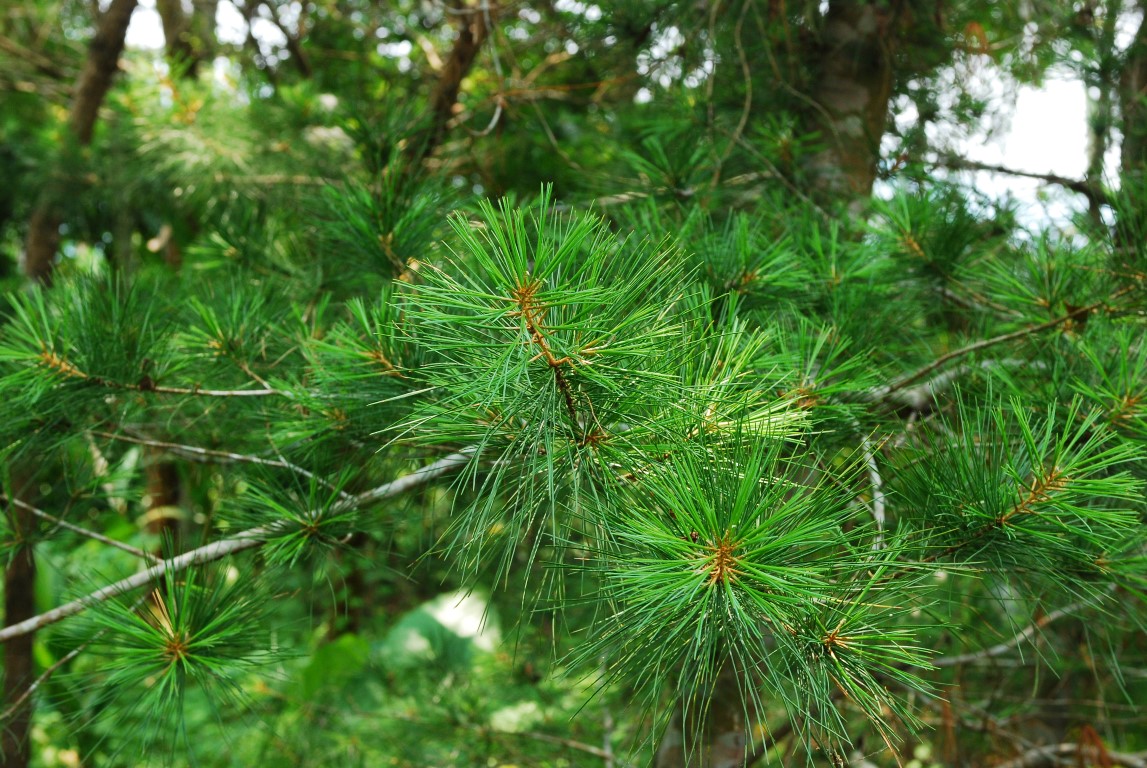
(851,98)
(1133,103)
(19,604)
(94,82)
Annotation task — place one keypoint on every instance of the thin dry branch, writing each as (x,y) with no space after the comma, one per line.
(196,453)
(252,538)
(883,393)
(1093,193)
(61,523)
(1001,648)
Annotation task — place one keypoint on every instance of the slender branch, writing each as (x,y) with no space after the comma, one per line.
(547,738)
(874,479)
(1093,193)
(1027,633)
(249,539)
(921,396)
(61,523)
(200,392)
(8,713)
(252,538)
(883,392)
(41,63)
(443,466)
(60,365)
(996,650)
(195,453)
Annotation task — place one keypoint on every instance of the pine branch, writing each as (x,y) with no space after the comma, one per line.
(195,453)
(1093,193)
(61,523)
(252,538)
(1000,648)
(60,365)
(883,393)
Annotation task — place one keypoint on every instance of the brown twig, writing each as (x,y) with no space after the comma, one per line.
(533,315)
(1090,191)
(1075,314)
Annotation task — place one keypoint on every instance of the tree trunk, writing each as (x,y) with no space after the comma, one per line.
(472,33)
(19,604)
(721,740)
(1131,220)
(164,514)
(177,39)
(95,80)
(189,41)
(851,95)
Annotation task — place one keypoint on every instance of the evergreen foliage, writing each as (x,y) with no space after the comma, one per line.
(610,434)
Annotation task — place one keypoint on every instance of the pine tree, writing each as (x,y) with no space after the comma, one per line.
(543,402)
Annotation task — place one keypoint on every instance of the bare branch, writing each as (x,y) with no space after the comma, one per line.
(1001,648)
(1088,190)
(195,453)
(883,393)
(8,713)
(252,538)
(61,523)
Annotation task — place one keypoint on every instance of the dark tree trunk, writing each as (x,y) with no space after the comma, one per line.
(164,516)
(852,92)
(100,68)
(177,38)
(1133,98)
(713,737)
(19,604)
(1131,220)
(95,80)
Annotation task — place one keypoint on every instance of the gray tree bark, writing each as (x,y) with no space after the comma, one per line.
(851,97)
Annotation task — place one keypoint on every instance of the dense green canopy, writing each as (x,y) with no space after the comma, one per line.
(560,384)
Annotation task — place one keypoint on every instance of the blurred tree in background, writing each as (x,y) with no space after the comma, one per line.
(639,383)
